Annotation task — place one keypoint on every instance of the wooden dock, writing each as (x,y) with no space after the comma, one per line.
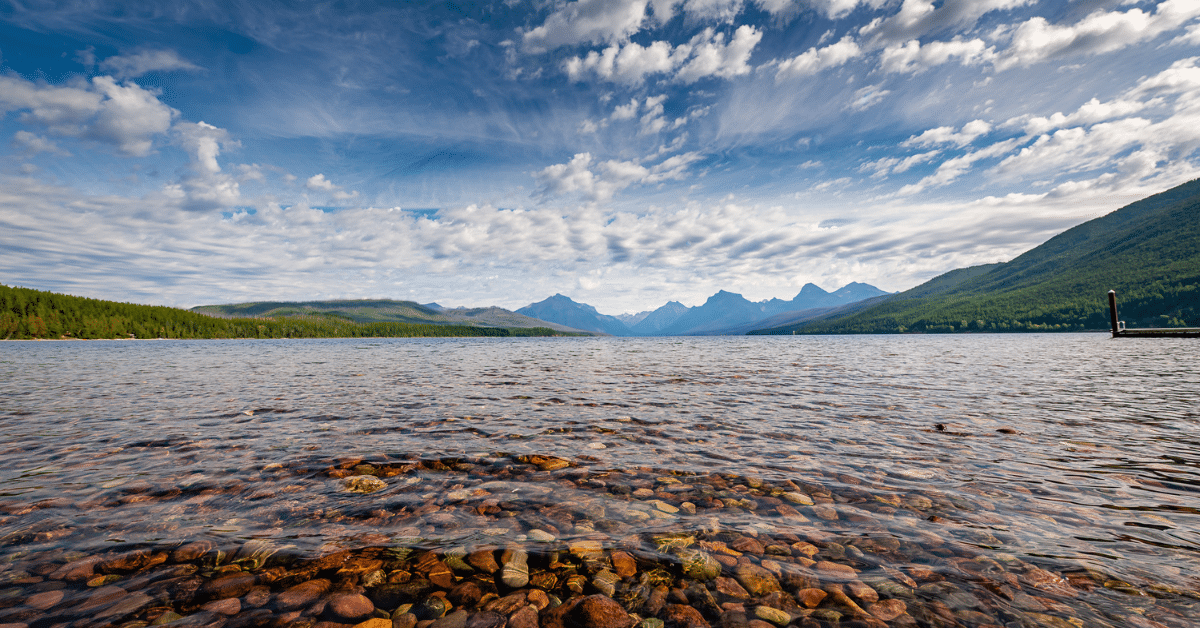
(1119,330)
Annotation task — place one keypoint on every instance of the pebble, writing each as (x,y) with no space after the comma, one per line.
(773,615)
(887,610)
(514,568)
(350,606)
(779,565)
(363,484)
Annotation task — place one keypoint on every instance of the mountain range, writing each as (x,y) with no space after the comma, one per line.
(723,313)
(1147,251)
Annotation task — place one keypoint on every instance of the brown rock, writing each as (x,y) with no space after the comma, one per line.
(489,619)
(228,606)
(836,570)
(126,605)
(437,571)
(734,618)
(525,617)
(682,616)
(863,592)
(811,597)
(748,545)
(538,599)
(507,604)
(81,569)
(350,606)
(730,587)
(465,594)
(757,580)
(257,596)
(44,600)
(456,619)
(624,564)
(887,610)
(658,599)
(593,611)
(331,561)
(302,594)
(483,560)
(375,622)
(191,551)
(232,585)
(102,597)
(131,561)
(758,623)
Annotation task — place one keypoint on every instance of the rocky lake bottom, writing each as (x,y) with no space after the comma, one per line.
(1008,480)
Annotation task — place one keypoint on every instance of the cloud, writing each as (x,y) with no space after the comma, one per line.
(1121,135)
(1090,112)
(599,182)
(815,59)
(917,18)
(912,57)
(710,57)
(947,135)
(867,97)
(705,55)
(587,21)
(881,168)
(139,63)
(318,183)
(124,116)
(715,10)
(206,187)
(1038,40)
(32,144)
(630,63)
(955,167)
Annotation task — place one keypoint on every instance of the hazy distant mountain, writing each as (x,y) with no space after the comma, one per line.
(723,313)
(632,319)
(729,313)
(655,322)
(1147,251)
(721,310)
(563,311)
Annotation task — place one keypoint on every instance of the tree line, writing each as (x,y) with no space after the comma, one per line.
(27,314)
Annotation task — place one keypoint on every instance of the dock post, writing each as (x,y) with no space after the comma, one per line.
(1112,310)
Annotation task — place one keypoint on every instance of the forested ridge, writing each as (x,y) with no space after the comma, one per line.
(35,314)
(1148,252)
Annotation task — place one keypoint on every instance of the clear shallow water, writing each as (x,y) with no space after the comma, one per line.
(1065,452)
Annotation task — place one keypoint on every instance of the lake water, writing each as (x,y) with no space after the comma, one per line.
(1006,480)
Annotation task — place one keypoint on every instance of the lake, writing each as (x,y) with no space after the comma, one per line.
(979,480)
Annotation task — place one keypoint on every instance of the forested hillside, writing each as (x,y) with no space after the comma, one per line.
(30,314)
(1148,251)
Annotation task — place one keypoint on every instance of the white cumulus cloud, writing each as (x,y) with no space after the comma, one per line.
(815,59)
(590,21)
(122,115)
(598,182)
(1037,39)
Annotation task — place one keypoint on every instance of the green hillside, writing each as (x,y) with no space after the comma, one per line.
(32,314)
(381,311)
(1148,251)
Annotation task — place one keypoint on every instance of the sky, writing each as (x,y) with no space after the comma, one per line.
(622,152)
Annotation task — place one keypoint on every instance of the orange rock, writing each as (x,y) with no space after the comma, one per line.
(887,610)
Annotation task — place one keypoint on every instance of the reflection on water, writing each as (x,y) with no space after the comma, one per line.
(970,471)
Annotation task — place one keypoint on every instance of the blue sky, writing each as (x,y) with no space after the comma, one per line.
(622,152)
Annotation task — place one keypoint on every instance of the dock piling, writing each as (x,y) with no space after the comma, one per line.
(1112,311)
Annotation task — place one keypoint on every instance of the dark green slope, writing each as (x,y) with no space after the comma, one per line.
(31,314)
(1148,251)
